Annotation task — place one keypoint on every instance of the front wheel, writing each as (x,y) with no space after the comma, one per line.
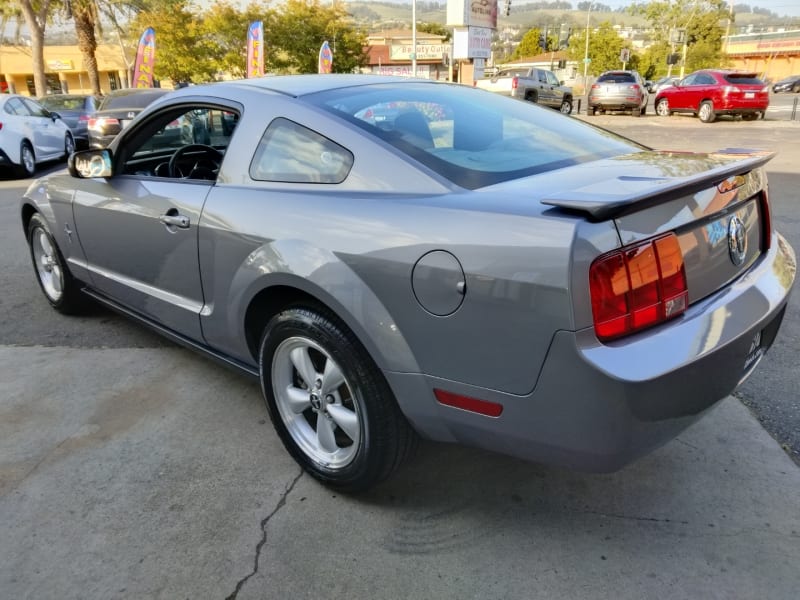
(566,106)
(60,289)
(706,112)
(329,402)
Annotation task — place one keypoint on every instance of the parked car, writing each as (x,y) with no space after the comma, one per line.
(483,272)
(618,91)
(75,110)
(30,134)
(530,84)
(661,83)
(788,84)
(709,93)
(116,110)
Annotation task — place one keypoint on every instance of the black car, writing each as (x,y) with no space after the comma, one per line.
(788,84)
(116,110)
(75,110)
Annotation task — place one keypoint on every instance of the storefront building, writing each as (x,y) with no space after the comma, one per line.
(390,53)
(64,69)
(772,55)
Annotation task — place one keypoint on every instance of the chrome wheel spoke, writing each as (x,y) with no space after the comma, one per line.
(45,243)
(332,378)
(346,419)
(56,281)
(325,438)
(305,368)
(297,399)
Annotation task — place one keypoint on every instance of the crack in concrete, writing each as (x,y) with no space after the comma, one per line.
(630,517)
(262,542)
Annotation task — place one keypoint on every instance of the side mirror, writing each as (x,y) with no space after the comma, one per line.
(90,163)
(55,116)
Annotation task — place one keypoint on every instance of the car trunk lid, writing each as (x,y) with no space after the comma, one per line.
(716,204)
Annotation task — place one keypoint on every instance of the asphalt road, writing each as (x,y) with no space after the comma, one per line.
(131,468)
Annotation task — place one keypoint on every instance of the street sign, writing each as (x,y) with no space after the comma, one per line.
(587,60)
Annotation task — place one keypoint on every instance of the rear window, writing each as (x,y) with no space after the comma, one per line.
(471,137)
(133,100)
(64,103)
(743,78)
(616,78)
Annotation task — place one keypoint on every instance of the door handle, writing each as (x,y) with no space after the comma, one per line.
(180,221)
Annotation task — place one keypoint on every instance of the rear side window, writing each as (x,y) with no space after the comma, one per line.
(616,78)
(291,153)
(743,78)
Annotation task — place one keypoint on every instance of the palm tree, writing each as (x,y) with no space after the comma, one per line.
(85,15)
(36,13)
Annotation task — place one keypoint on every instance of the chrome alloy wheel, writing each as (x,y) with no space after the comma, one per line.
(48,265)
(315,402)
(662,108)
(28,160)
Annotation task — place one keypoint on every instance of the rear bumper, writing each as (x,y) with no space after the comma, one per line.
(598,407)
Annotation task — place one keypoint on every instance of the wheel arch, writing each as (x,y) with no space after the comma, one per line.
(351,303)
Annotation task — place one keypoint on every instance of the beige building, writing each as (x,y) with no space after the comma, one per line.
(772,55)
(64,69)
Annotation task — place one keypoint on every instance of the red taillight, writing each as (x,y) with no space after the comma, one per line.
(635,86)
(102,122)
(1,125)
(83,118)
(514,83)
(638,286)
(482,407)
(595,86)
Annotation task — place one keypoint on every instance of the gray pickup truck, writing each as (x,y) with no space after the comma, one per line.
(534,85)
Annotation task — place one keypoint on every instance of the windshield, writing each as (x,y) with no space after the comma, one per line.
(472,137)
(616,78)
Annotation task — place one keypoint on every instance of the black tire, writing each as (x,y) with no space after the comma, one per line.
(705,112)
(532,97)
(750,116)
(662,108)
(69,145)
(637,112)
(60,289)
(27,162)
(379,439)
(566,106)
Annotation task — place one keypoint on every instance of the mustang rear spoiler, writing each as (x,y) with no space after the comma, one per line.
(652,191)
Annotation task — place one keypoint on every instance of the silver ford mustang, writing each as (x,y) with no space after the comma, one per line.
(395,258)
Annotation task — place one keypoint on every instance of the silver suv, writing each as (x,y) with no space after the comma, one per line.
(618,90)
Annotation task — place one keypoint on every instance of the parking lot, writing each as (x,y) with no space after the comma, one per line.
(132,468)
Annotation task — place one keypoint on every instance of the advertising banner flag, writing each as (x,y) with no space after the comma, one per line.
(145,60)
(325,58)
(255,49)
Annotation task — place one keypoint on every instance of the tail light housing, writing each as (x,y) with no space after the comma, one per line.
(102,122)
(638,286)
(84,118)
(766,220)
(514,83)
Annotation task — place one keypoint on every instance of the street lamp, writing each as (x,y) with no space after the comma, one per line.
(413,38)
(586,52)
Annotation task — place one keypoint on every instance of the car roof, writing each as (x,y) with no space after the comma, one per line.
(300,85)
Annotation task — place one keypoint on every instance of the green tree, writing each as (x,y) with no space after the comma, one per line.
(528,45)
(226,27)
(436,28)
(299,29)
(605,46)
(183,51)
(702,20)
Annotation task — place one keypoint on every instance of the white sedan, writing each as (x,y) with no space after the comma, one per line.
(31,134)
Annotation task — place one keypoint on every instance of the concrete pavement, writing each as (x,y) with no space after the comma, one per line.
(154,473)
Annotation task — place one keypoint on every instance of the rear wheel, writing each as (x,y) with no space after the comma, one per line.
(27,163)
(532,97)
(566,106)
(60,289)
(662,108)
(329,402)
(706,112)
(750,116)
